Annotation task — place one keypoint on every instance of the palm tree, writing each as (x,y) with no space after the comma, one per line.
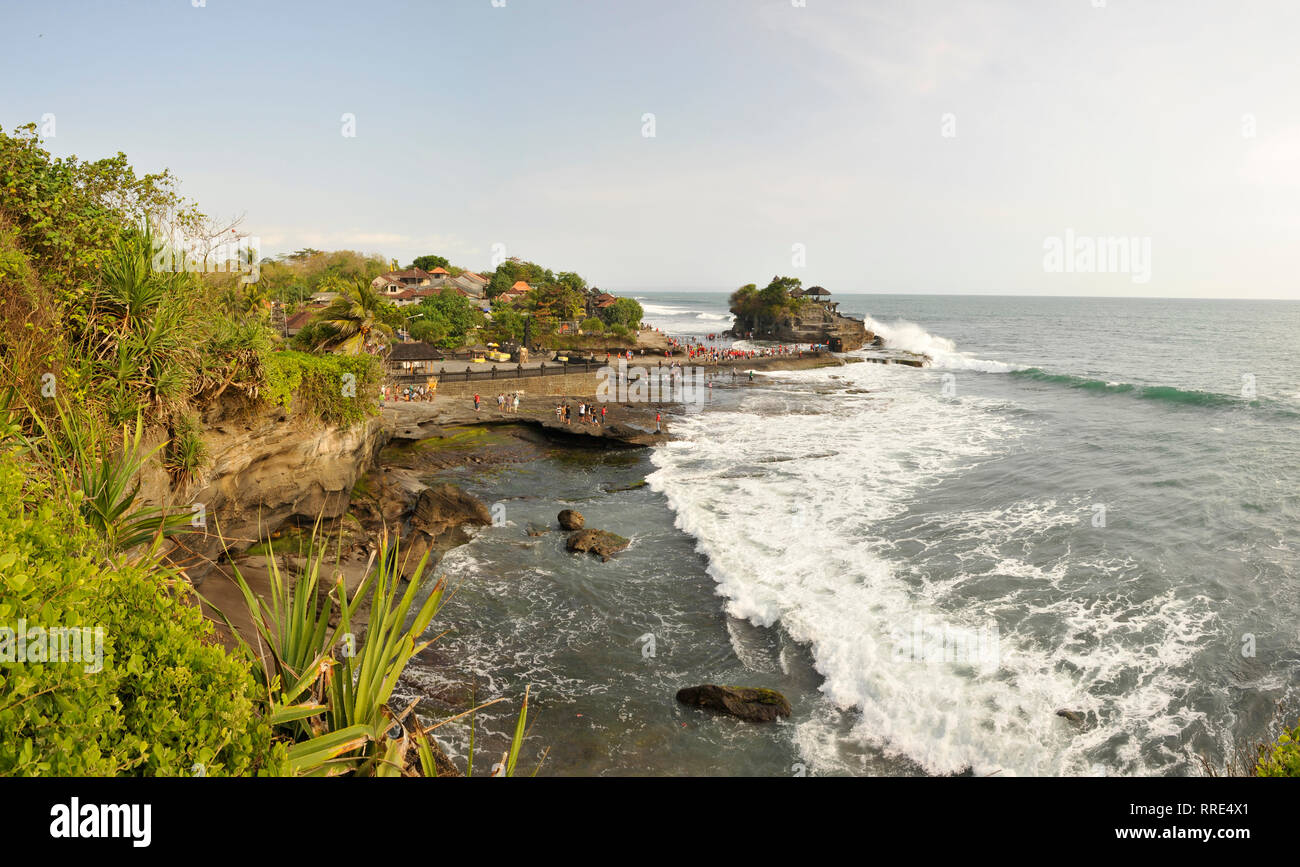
(353,319)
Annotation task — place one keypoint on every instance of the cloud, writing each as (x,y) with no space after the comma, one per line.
(905,50)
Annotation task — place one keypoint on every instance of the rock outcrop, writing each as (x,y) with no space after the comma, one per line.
(265,468)
(817,323)
(599,542)
(571,520)
(748,703)
(445,508)
(814,322)
(425,520)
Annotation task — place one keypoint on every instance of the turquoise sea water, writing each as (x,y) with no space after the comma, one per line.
(1083,504)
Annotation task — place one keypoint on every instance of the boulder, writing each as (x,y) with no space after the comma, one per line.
(598,542)
(537,529)
(753,704)
(446,507)
(1074,716)
(411,550)
(571,520)
(385,496)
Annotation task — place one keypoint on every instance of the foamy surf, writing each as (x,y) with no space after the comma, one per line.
(943,352)
(800,545)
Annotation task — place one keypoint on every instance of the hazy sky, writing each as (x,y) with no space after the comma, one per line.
(910,146)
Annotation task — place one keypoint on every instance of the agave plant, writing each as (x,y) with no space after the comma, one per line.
(329,692)
(82,460)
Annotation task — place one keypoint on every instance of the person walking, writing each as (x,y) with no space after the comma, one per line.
(603,409)
(476,401)
(658,418)
(516,405)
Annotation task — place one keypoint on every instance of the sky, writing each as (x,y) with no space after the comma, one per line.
(894,146)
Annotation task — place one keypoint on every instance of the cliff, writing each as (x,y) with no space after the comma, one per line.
(264,468)
(814,322)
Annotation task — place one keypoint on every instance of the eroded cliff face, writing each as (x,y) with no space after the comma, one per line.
(813,323)
(817,324)
(264,468)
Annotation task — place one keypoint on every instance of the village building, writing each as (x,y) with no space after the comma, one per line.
(515,292)
(597,301)
(297,322)
(418,357)
(394,283)
(471,284)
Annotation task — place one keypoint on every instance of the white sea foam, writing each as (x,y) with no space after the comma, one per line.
(902,334)
(794,539)
(664,309)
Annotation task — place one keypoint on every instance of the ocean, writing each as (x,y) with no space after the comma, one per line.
(1083,505)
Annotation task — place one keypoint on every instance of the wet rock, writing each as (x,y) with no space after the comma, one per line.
(599,542)
(632,487)
(571,520)
(412,550)
(1074,716)
(444,507)
(537,530)
(753,704)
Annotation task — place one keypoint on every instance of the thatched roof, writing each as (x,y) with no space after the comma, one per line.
(816,290)
(418,351)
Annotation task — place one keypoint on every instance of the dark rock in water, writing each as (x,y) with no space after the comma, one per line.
(1074,716)
(571,520)
(598,542)
(631,487)
(748,703)
(443,507)
(537,530)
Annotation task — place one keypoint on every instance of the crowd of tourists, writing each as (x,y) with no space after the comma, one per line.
(587,413)
(406,393)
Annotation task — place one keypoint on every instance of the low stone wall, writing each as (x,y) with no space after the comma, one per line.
(565,383)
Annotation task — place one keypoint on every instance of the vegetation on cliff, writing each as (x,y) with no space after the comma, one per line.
(760,310)
(107,665)
(88,315)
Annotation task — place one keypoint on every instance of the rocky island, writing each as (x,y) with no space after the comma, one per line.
(784,311)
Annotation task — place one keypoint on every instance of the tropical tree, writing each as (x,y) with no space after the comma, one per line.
(353,320)
(759,309)
(429,262)
(625,311)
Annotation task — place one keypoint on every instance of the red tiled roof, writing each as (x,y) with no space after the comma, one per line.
(521,286)
(438,271)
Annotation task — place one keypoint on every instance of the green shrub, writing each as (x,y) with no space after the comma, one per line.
(166,699)
(592,326)
(186,453)
(317,384)
(1282,759)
